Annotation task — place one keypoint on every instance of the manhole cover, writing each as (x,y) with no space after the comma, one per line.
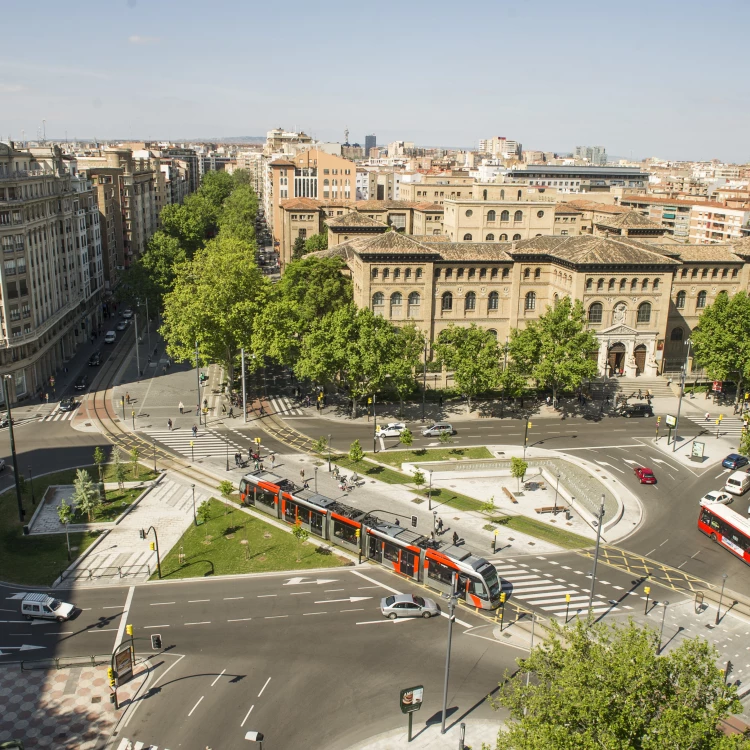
(96,699)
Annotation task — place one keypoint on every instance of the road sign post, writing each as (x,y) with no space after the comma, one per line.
(410,701)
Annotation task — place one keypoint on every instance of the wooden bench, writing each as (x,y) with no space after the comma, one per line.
(509,495)
(549,509)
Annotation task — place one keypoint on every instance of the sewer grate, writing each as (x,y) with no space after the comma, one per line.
(96,699)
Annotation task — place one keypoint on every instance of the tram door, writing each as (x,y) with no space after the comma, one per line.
(463,585)
(408,560)
(376,549)
(316,523)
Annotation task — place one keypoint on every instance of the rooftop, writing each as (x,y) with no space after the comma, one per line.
(630,220)
(355,219)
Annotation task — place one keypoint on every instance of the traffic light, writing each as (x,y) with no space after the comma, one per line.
(728,671)
(151,546)
(129,630)
(156,642)
(502,597)
(357,533)
(414,521)
(111,676)
(141,533)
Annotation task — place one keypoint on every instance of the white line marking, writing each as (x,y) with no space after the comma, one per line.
(298,593)
(327,591)
(264,596)
(159,604)
(372,580)
(124,620)
(150,627)
(275,617)
(205,622)
(119,606)
(246,715)
(195,706)
(241,619)
(229,598)
(218,677)
(195,601)
(264,687)
(305,614)
(362,609)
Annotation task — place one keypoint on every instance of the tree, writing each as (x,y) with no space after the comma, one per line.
(744,448)
(316,243)
(320,445)
(410,342)
(518,468)
(65,514)
(555,349)
(190,222)
(418,478)
(163,254)
(214,302)
(135,454)
(356,453)
(595,685)
(238,213)
(301,534)
(86,496)
(119,470)
(99,459)
(204,513)
(474,357)
(406,438)
(226,488)
(216,187)
(721,342)
(298,248)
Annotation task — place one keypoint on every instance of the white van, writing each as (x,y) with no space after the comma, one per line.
(45,607)
(109,337)
(737,483)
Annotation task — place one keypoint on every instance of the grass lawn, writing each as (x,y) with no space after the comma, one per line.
(366,469)
(115,503)
(216,548)
(396,458)
(547,533)
(108,473)
(453,499)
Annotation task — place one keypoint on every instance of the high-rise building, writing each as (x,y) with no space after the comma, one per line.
(595,155)
(370,142)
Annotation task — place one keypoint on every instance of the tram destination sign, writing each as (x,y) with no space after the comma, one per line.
(411,699)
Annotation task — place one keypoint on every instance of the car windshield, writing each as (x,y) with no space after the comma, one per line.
(389,600)
(489,574)
(55,604)
(648,473)
(419,600)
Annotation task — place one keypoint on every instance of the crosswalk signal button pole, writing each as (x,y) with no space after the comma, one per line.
(111,676)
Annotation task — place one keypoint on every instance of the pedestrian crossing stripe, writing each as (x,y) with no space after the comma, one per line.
(728,425)
(282,405)
(57,415)
(205,444)
(130,745)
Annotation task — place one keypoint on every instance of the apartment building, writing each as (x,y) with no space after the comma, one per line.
(576,179)
(594,155)
(673,215)
(712,222)
(52,274)
(435,188)
(501,147)
(366,183)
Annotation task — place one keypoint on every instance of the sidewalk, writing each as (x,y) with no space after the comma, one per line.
(428,737)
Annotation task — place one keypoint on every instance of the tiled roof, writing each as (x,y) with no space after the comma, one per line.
(473,251)
(428,239)
(630,220)
(282,163)
(719,253)
(383,205)
(566,208)
(604,208)
(301,204)
(392,242)
(355,219)
(656,200)
(427,206)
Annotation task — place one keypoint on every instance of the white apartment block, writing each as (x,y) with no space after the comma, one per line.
(713,222)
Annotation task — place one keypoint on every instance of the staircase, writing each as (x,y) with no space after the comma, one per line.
(657,387)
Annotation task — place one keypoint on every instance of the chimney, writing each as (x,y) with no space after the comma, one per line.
(512,246)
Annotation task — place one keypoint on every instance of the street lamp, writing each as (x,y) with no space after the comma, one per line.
(596,554)
(452,599)
(429,493)
(557,488)
(424,378)
(153,442)
(721,597)
(316,480)
(198,378)
(665,603)
(682,393)
(195,517)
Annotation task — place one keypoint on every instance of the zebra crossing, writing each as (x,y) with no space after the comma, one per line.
(126,744)
(205,444)
(729,427)
(283,406)
(546,592)
(56,415)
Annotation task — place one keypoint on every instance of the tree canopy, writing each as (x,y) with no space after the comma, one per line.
(594,685)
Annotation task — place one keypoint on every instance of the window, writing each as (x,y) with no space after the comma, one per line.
(516,237)
(680,301)
(684,273)
(530,301)
(419,273)
(484,195)
(414,299)
(540,214)
(470,301)
(724,273)
(734,273)
(447,301)
(518,197)
(518,216)
(482,273)
(396,299)
(378,299)
(469,212)
(467,237)
(714,273)
(407,273)
(526,273)
(656,284)
(503,238)
(611,285)
(623,284)
(694,275)
(502,195)
(506,273)
(505,216)
(386,274)
(700,303)
(589,284)
(644,285)
(633,285)
(490,237)
(396,273)
(491,215)
(472,273)
(644,312)
(537,273)
(448,273)
(493,273)
(460,273)
(704,275)
(676,334)
(595,312)
(437,273)
(493,301)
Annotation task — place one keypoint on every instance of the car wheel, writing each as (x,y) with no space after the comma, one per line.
(627,416)
(60,619)
(712,537)
(27,617)
(392,616)
(426,615)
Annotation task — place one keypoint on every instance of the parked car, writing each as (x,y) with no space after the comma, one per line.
(737,483)
(122,325)
(637,410)
(45,607)
(394,429)
(645,475)
(68,404)
(82,383)
(4,421)
(716,497)
(95,359)
(437,429)
(734,461)
(127,313)
(408,605)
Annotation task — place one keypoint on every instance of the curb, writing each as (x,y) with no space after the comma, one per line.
(140,497)
(77,562)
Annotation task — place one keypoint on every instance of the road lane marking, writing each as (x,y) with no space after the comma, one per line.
(229,598)
(241,619)
(264,687)
(275,617)
(97,630)
(298,593)
(159,604)
(264,596)
(306,614)
(368,587)
(351,599)
(372,580)
(195,706)
(327,591)
(246,715)
(205,622)
(218,677)
(119,606)
(195,601)
(149,627)
(361,609)
(124,620)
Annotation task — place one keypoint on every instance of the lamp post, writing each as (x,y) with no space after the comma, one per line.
(424,379)
(137,348)
(682,393)
(195,517)
(244,390)
(721,598)
(665,603)
(316,480)
(198,379)
(596,554)
(451,617)
(557,488)
(153,442)
(226,443)
(429,493)
(21,511)
(374,427)
(505,367)
(143,535)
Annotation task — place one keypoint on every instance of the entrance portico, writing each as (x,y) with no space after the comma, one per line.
(627,350)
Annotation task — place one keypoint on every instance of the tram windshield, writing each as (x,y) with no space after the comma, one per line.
(489,574)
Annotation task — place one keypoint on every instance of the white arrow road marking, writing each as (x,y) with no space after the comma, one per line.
(395,622)
(630,461)
(604,463)
(349,599)
(17,596)
(18,648)
(297,581)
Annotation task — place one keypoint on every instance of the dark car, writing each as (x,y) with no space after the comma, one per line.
(638,410)
(95,359)
(81,383)
(68,404)
(734,461)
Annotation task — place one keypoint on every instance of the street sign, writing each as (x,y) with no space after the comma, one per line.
(671,420)
(716,385)
(411,699)
(698,449)
(124,663)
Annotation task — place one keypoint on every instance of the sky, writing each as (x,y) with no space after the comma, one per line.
(662,78)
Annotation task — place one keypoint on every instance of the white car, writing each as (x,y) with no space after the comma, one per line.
(127,313)
(394,429)
(716,497)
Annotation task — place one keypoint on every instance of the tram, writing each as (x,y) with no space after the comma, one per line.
(398,548)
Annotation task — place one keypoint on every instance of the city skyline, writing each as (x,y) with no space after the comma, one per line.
(532,73)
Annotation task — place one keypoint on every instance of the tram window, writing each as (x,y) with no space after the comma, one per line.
(439,572)
(376,549)
(316,523)
(391,552)
(345,532)
(478,589)
(289,509)
(303,514)
(266,497)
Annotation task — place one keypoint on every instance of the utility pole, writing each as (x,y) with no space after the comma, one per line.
(596,554)
(148,326)
(424,379)
(451,618)
(137,352)
(244,390)
(198,377)
(21,511)
(374,427)
(682,392)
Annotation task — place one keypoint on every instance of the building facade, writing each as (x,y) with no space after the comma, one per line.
(371,142)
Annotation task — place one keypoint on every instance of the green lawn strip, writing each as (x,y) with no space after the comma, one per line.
(368,469)
(108,473)
(216,548)
(540,530)
(396,458)
(116,503)
(453,499)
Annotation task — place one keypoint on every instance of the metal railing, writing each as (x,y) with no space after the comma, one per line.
(64,662)
(107,571)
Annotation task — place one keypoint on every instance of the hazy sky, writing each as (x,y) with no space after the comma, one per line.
(664,78)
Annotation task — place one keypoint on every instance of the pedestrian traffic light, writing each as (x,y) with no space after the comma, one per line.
(141,533)
(357,533)
(502,597)
(658,419)
(111,676)
(156,642)
(529,425)
(151,546)
(414,521)
(129,630)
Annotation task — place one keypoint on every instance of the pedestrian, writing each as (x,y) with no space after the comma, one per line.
(182,407)
(256,464)
(432,537)
(273,460)
(195,430)
(455,537)
(231,412)
(169,424)
(223,408)
(262,410)
(127,398)
(640,394)
(708,417)
(205,403)
(262,467)
(302,474)
(237,459)
(440,526)
(398,523)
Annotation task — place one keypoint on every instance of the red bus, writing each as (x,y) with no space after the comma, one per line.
(728,528)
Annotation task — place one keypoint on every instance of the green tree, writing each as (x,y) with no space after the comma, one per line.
(190,222)
(474,357)
(298,248)
(216,187)
(418,478)
(356,453)
(65,514)
(204,513)
(86,496)
(518,468)
(226,488)
(410,342)
(118,469)
(512,382)
(301,534)
(406,438)
(238,213)
(555,349)
(163,254)
(721,342)
(214,302)
(744,448)
(316,242)
(320,445)
(445,438)
(99,459)
(135,454)
(138,285)
(595,685)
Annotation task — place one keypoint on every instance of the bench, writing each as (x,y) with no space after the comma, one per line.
(549,509)
(509,495)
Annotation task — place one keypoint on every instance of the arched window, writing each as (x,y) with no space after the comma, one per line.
(396,273)
(700,303)
(437,273)
(470,301)
(396,299)
(600,285)
(493,301)
(503,238)
(326,182)
(492,333)
(676,334)
(518,216)
(482,273)
(502,195)
(407,273)
(530,301)
(537,273)
(596,310)
(374,273)
(436,231)
(526,273)
(680,301)
(656,284)
(694,274)
(448,273)
(467,237)
(611,285)
(714,273)
(484,195)
(472,273)
(704,275)
(519,195)
(386,274)
(589,284)
(491,215)
(419,273)
(623,283)
(505,216)
(644,285)
(644,312)
(633,284)
(493,273)
(516,237)
(490,237)
(506,273)
(447,301)
(378,299)
(414,299)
